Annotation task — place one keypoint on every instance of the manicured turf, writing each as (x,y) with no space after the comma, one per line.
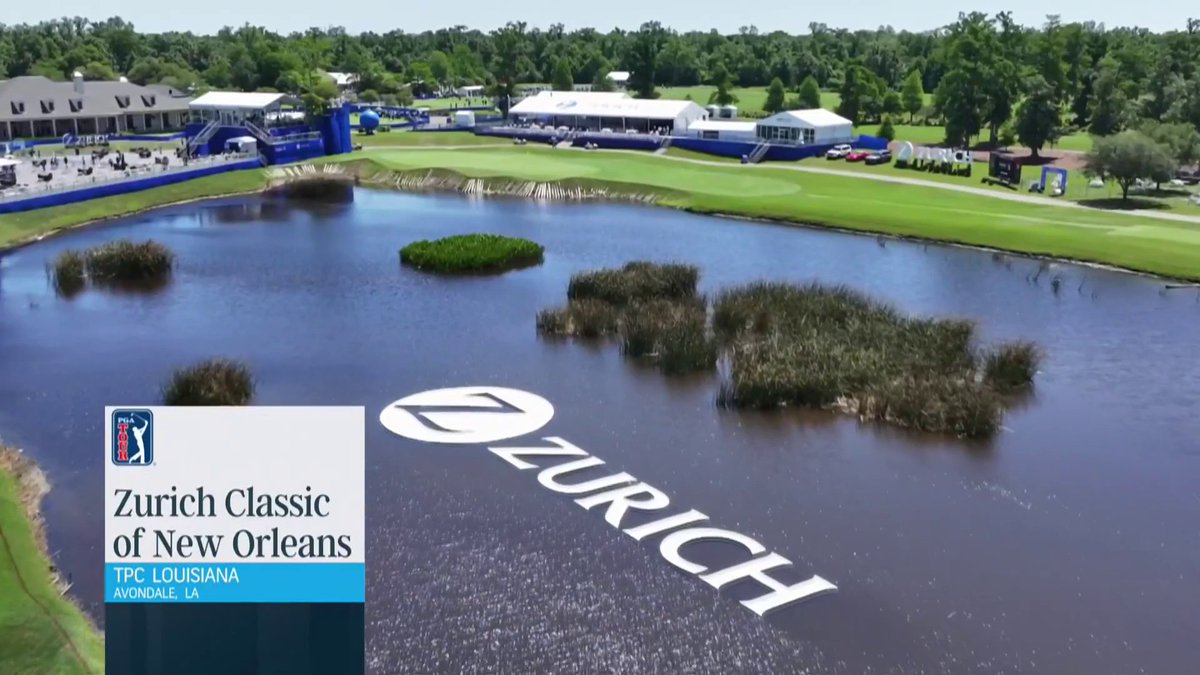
(18,226)
(40,630)
(916,134)
(430,138)
(1165,247)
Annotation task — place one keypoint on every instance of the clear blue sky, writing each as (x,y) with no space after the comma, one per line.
(414,16)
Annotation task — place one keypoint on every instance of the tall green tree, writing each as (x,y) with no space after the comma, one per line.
(775,97)
(1038,119)
(563,79)
(510,60)
(1182,140)
(1109,110)
(1128,157)
(912,94)
(643,58)
(723,94)
(810,93)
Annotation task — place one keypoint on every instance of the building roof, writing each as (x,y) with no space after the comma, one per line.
(814,117)
(34,97)
(619,76)
(601,104)
(722,125)
(236,100)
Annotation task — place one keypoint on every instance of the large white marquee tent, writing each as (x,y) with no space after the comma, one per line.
(607,110)
(808,127)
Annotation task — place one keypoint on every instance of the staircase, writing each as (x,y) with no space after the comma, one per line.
(200,139)
(258,132)
(759,152)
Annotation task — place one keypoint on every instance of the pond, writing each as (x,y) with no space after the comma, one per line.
(1067,544)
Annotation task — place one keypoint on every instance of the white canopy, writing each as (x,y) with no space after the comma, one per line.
(603,104)
(241,141)
(235,100)
(5,163)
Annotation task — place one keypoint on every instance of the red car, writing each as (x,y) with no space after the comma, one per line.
(857,155)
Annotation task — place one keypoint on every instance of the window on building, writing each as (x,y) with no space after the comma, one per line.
(122,101)
(148,100)
(47,106)
(18,107)
(710,135)
(76,104)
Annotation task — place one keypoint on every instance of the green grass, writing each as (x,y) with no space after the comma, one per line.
(1136,242)
(40,630)
(423,138)
(472,253)
(15,227)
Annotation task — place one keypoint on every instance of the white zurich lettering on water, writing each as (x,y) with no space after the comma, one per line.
(482,415)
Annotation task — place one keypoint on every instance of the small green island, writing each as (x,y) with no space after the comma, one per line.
(809,345)
(472,254)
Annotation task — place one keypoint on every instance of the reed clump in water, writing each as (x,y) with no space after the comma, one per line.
(127,261)
(117,263)
(638,280)
(1010,367)
(652,307)
(832,347)
(214,382)
(316,188)
(472,254)
(68,272)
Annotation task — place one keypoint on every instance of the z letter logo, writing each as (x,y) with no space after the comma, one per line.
(467,415)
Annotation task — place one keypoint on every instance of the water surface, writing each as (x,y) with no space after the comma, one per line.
(1068,544)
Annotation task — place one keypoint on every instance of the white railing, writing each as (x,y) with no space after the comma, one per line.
(25,191)
(759,152)
(205,134)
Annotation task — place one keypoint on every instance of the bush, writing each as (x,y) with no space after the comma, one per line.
(125,261)
(472,253)
(209,383)
(635,281)
(672,332)
(67,272)
(1012,365)
(887,130)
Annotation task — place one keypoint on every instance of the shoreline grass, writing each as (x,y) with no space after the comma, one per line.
(472,254)
(41,630)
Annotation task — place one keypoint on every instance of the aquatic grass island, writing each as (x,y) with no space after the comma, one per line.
(815,346)
(120,262)
(472,254)
(211,382)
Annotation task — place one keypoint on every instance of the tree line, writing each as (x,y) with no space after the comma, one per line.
(987,75)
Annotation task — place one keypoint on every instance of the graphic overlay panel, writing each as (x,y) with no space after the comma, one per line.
(245,525)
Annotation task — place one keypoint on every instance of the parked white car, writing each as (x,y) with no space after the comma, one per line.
(838,152)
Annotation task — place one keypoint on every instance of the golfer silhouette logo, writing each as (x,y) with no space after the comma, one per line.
(132,437)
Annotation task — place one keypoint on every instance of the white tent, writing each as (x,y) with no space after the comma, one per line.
(242,144)
(723,130)
(607,110)
(808,127)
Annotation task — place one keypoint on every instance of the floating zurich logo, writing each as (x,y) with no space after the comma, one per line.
(132,437)
(467,415)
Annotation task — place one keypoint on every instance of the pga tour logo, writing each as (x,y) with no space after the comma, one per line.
(132,437)
(487,415)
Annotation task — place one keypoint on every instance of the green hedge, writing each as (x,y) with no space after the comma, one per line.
(469,253)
